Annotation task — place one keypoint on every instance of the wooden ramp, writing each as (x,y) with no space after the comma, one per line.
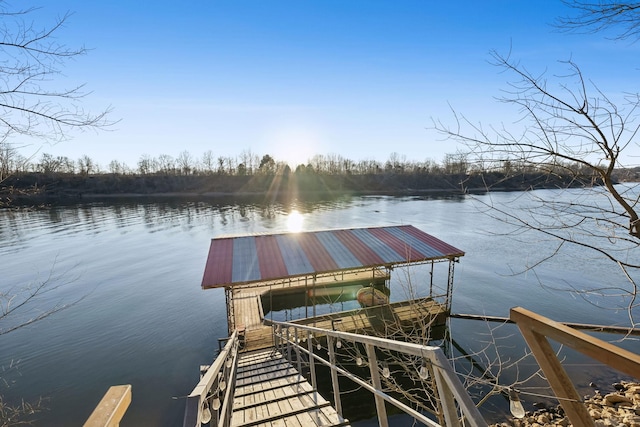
(413,317)
(270,392)
(417,318)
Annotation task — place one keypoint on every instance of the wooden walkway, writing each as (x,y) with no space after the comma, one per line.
(271,392)
(416,318)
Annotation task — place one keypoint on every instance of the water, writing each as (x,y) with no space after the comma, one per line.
(131,273)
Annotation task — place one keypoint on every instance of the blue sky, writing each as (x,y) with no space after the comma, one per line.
(295,78)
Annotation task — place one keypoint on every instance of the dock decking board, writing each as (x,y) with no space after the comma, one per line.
(266,397)
(390,319)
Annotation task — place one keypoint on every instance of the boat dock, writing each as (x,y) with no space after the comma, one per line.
(310,267)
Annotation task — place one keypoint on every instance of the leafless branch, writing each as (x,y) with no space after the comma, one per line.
(598,16)
(31,61)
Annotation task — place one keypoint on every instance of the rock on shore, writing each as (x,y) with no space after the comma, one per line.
(620,408)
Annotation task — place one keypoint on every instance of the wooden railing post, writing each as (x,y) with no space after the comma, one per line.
(535,329)
(111,408)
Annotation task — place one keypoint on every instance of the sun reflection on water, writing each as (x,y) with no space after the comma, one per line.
(294,221)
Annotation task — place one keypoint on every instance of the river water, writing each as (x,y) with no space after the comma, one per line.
(130,272)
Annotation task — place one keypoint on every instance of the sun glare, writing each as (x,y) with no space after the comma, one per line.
(294,221)
(294,145)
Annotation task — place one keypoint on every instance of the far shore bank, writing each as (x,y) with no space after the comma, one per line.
(66,198)
(51,189)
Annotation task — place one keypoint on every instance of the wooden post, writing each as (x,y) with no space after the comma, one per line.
(375,381)
(619,358)
(535,329)
(111,408)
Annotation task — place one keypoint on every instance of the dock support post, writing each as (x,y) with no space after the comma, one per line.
(334,376)
(230,314)
(375,381)
(449,285)
(431,280)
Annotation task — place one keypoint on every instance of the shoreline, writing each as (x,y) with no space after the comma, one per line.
(621,407)
(65,197)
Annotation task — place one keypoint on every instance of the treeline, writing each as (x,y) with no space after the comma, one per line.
(249,163)
(51,176)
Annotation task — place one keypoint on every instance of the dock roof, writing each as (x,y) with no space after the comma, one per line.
(248,259)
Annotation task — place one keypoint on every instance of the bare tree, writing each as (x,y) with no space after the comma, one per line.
(145,164)
(32,60)
(166,164)
(118,168)
(208,162)
(9,159)
(86,165)
(185,162)
(574,130)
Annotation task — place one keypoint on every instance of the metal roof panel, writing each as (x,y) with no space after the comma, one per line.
(269,257)
(339,252)
(361,251)
(406,251)
(318,255)
(385,252)
(246,259)
(294,257)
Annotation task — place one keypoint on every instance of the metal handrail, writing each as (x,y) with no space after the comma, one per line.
(453,399)
(214,393)
(448,386)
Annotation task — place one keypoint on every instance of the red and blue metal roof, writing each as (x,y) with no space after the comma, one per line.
(248,259)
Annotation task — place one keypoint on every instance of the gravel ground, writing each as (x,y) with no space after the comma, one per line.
(620,408)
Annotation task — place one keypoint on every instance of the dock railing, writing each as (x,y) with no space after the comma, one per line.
(537,329)
(211,400)
(453,400)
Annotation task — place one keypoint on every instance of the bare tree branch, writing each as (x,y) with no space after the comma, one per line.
(567,127)
(597,16)
(30,61)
